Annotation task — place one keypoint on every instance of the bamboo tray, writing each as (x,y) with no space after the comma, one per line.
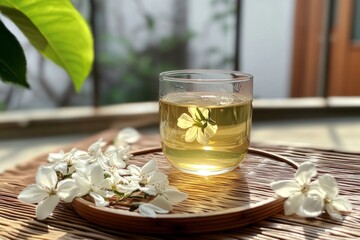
(215,203)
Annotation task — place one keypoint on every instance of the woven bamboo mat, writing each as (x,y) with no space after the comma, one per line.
(17,219)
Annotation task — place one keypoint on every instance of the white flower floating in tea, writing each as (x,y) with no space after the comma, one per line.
(199,124)
(105,177)
(310,199)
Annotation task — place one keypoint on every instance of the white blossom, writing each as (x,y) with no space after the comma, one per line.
(115,157)
(112,180)
(330,199)
(158,185)
(128,188)
(66,163)
(121,153)
(92,182)
(199,125)
(93,153)
(150,210)
(296,190)
(142,174)
(127,136)
(309,199)
(47,192)
(105,176)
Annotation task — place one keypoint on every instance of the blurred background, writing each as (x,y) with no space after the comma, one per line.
(293,49)
(304,55)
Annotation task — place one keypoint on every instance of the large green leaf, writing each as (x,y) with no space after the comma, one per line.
(57,30)
(12,58)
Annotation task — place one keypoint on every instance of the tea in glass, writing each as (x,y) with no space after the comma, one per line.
(205,127)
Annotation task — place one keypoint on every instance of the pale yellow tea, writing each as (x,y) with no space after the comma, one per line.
(205,134)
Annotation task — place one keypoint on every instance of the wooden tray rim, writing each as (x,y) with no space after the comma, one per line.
(125,213)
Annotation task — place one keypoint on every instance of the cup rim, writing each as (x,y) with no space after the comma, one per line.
(237,76)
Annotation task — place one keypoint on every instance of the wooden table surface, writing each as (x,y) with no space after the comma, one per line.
(17,219)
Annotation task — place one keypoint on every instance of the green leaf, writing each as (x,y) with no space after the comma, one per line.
(12,58)
(57,30)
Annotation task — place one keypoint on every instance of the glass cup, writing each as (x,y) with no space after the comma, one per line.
(205,119)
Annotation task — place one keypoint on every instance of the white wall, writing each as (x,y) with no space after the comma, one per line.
(266,45)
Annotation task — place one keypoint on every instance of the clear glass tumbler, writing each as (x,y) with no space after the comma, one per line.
(205,119)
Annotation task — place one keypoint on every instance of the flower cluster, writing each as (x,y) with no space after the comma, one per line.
(103,175)
(199,125)
(310,199)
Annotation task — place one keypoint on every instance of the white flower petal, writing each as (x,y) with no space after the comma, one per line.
(158,178)
(126,156)
(101,158)
(103,162)
(61,167)
(107,183)
(312,207)
(293,203)
(210,130)
(96,147)
(99,200)
(161,202)
(73,193)
(102,192)
(334,214)
(199,113)
(194,113)
(79,164)
(150,210)
(123,172)
(55,157)
(149,167)
(190,134)
(285,188)
(315,189)
(328,185)
(342,204)
(204,112)
(80,154)
(116,162)
(201,137)
(33,194)
(96,174)
(128,188)
(66,190)
(133,178)
(129,135)
(46,177)
(82,184)
(148,189)
(109,194)
(305,172)
(65,185)
(174,196)
(111,149)
(185,121)
(120,179)
(73,151)
(46,207)
(134,170)
(146,209)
